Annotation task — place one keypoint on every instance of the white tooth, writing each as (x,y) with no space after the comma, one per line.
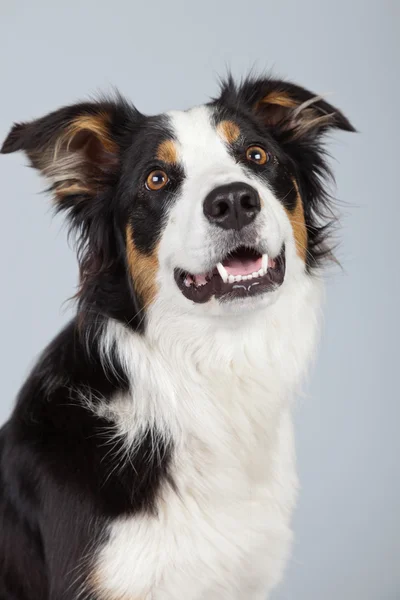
(254,275)
(264,263)
(223,272)
(261,272)
(238,278)
(246,277)
(231,278)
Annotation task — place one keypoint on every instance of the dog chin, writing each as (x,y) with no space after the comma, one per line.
(234,308)
(240,306)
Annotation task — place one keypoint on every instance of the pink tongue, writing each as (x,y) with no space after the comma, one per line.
(242,266)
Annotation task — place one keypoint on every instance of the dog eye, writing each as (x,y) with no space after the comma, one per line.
(257,155)
(156,180)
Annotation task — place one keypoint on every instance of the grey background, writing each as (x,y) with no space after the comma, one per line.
(166,55)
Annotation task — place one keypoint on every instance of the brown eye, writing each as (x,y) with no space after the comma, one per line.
(257,155)
(156,180)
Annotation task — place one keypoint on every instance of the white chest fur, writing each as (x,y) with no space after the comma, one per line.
(223,397)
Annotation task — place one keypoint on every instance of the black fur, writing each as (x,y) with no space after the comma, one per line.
(59,480)
(61,477)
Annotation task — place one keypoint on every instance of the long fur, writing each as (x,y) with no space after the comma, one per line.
(150,454)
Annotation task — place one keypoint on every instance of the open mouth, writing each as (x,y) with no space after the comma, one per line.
(241,274)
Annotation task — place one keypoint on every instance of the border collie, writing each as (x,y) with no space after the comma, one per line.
(150,453)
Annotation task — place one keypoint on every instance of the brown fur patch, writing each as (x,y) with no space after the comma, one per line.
(303,116)
(143,269)
(70,161)
(74,189)
(168,152)
(229,131)
(97,125)
(298,223)
(275,107)
(280,99)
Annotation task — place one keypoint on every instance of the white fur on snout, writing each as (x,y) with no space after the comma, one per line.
(189,239)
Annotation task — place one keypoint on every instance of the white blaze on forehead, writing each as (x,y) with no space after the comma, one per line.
(201,149)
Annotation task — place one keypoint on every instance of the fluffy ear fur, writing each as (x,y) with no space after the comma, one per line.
(287,108)
(78,150)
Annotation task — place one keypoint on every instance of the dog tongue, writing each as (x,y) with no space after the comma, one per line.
(242,265)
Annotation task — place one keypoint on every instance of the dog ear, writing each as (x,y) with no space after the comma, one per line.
(76,148)
(289,109)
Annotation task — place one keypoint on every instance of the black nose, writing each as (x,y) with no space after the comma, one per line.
(232,206)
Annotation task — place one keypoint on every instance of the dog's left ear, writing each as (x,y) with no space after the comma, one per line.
(77,148)
(289,109)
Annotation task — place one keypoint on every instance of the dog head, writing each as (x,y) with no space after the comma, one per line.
(214,208)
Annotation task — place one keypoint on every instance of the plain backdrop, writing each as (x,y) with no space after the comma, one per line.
(168,54)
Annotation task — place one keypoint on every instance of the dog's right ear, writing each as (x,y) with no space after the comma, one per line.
(77,148)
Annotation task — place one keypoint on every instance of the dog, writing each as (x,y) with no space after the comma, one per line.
(150,454)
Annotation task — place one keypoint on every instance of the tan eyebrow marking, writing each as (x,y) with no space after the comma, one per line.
(168,152)
(229,131)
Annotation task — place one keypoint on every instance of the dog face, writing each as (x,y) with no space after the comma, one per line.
(215,208)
